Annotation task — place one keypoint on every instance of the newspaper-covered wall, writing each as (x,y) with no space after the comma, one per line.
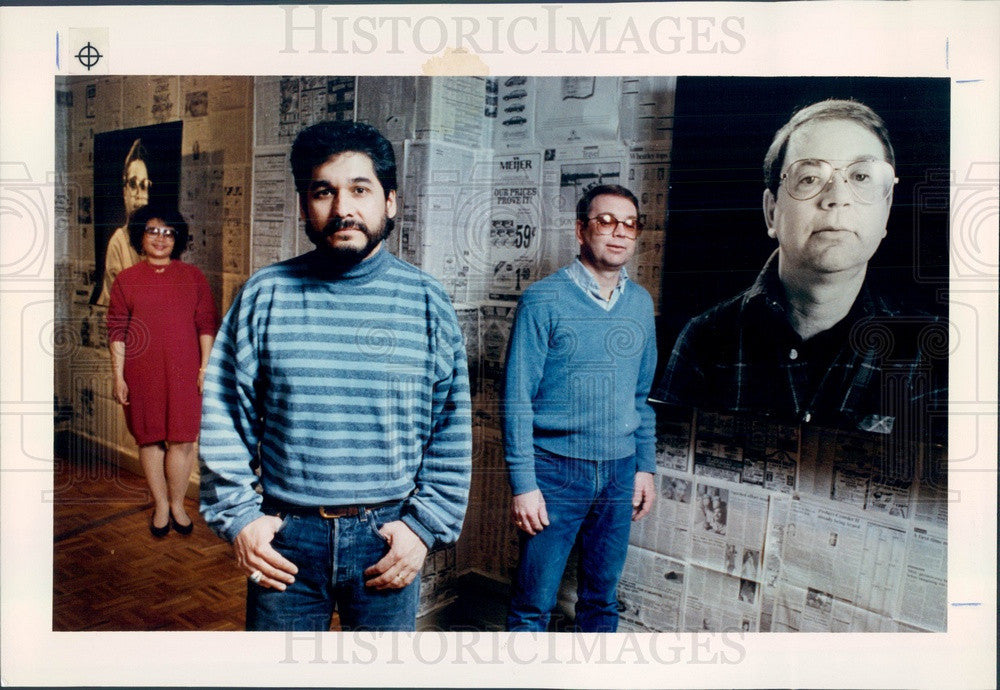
(283,106)
(514,248)
(211,180)
(757,526)
(765,533)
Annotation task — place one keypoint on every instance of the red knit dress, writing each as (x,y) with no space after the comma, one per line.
(159,317)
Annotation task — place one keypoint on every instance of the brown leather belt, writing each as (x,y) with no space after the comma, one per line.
(325,512)
(334,512)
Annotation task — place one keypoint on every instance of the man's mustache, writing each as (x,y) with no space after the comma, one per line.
(337,224)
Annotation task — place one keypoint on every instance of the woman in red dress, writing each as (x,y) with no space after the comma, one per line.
(161,326)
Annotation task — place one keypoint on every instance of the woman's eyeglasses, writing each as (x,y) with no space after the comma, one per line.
(169,233)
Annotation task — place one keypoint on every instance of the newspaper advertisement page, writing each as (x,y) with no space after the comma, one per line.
(468,321)
(80,156)
(850,482)
(718,449)
(387,103)
(847,470)
(515,225)
(650,592)
(924,598)
(840,570)
(200,201)
(777,517)
(495,322)
(647,109)
(234,240)
(931,497)
(673,437)
(667,530)
(285,105)
(838,464)
(647,177)
(101,111)
(511,102)
(450,207)
(728,525)
(567,173)
(153,99)
(889,496)
(450,109)
(717,602)
(578,109)
(274,217)
(814,610)
(749,451)
(771,456)
(271,99)
(231,93)
(931,505)
(437,580)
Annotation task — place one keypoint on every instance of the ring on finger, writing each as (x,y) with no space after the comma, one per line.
(256,576)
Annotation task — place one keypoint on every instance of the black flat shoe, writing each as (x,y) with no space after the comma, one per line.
(179,528)
(158,532)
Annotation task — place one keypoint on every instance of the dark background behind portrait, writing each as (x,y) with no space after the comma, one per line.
(163,164)
(716,239)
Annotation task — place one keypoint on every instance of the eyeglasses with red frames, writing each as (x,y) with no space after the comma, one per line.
(607,223)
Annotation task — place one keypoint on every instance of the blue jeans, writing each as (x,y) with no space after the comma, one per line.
(589,502)
(332,556)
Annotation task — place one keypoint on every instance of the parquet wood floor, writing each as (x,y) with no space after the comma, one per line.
(110,573)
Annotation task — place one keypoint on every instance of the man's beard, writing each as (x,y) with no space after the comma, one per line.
(345,256)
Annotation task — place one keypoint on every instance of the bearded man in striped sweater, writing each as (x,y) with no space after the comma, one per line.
(336,429)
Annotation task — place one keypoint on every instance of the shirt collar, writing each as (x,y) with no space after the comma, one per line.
(585,279)
(767,289)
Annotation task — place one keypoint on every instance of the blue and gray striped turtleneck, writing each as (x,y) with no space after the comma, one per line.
(351,387)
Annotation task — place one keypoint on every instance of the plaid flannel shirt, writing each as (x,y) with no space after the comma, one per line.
(880,370)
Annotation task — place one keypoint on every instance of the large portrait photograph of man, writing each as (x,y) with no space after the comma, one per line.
(865,272)
(806,262)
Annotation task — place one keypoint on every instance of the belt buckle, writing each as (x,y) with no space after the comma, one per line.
(333,513)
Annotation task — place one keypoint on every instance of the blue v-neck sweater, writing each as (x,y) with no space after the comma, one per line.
(578,377)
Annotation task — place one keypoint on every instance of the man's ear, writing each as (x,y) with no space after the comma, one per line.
(769,205)
(888,209)
(390,204)
(579,232)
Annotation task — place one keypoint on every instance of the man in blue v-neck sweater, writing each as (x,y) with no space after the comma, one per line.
(579,436)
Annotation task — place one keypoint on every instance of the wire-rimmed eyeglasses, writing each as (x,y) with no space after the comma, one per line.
(870,181)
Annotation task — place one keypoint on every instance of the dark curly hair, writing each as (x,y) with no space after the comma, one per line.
(316,144)
(170,216)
